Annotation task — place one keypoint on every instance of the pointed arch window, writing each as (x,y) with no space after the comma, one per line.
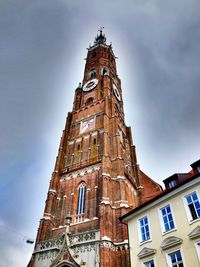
(89,101)
(92,74)
(105,71)
(81,199)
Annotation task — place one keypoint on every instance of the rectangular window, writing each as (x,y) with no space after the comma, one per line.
(149,263)
(176,259)
(144,229)
(193,205)
(197,245)
(172,184)
(167,218)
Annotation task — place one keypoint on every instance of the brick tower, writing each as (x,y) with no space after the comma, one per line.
(96,177)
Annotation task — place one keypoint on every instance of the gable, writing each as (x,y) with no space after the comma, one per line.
(146,252)
(195,233)
(170,242)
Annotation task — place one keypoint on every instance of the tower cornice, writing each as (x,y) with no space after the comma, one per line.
(90,48)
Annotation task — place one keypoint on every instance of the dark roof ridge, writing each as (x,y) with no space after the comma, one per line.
(163,193)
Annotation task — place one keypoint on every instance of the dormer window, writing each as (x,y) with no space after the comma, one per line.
(174,180)
(92,74)
(198,169)
(172,183)
(196,166)
(105,71)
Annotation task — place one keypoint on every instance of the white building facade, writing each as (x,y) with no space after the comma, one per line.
(165,231)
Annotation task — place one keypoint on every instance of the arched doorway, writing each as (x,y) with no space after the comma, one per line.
(67,264)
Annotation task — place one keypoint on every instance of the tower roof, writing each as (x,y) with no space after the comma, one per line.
(100,39)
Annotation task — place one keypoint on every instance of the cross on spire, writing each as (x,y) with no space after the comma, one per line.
(100,30)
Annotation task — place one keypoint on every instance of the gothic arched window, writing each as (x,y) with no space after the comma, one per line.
(105,71)
(89,101)
(94,54)
(81,199)
(117,109)
(92,74)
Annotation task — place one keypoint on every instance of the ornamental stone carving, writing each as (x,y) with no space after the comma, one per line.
(145,252)
(55,243)
(82,172)
(170,242)
(114,246)
(195,232)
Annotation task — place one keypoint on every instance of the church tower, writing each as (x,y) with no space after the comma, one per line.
(96,177)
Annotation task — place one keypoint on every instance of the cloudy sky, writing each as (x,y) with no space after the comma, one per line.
(42,50)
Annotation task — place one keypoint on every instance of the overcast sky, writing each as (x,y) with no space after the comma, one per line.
(42,50)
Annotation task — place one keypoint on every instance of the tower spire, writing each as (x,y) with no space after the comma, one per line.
(100,39)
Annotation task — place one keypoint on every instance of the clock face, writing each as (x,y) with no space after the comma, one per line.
(87,125)
(116,92)
(91,84)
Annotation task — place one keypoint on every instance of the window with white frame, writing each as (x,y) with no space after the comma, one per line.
(81,199)
(172,183)
(197,245)
(149,263)
(144,229)
(193,206)
(167,218)
(175,259)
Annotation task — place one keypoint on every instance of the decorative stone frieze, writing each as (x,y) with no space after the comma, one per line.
(50,244)
(85,237)
(114,246)
(82,172)
(47,255)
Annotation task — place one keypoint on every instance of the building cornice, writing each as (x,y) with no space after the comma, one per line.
(161,197)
